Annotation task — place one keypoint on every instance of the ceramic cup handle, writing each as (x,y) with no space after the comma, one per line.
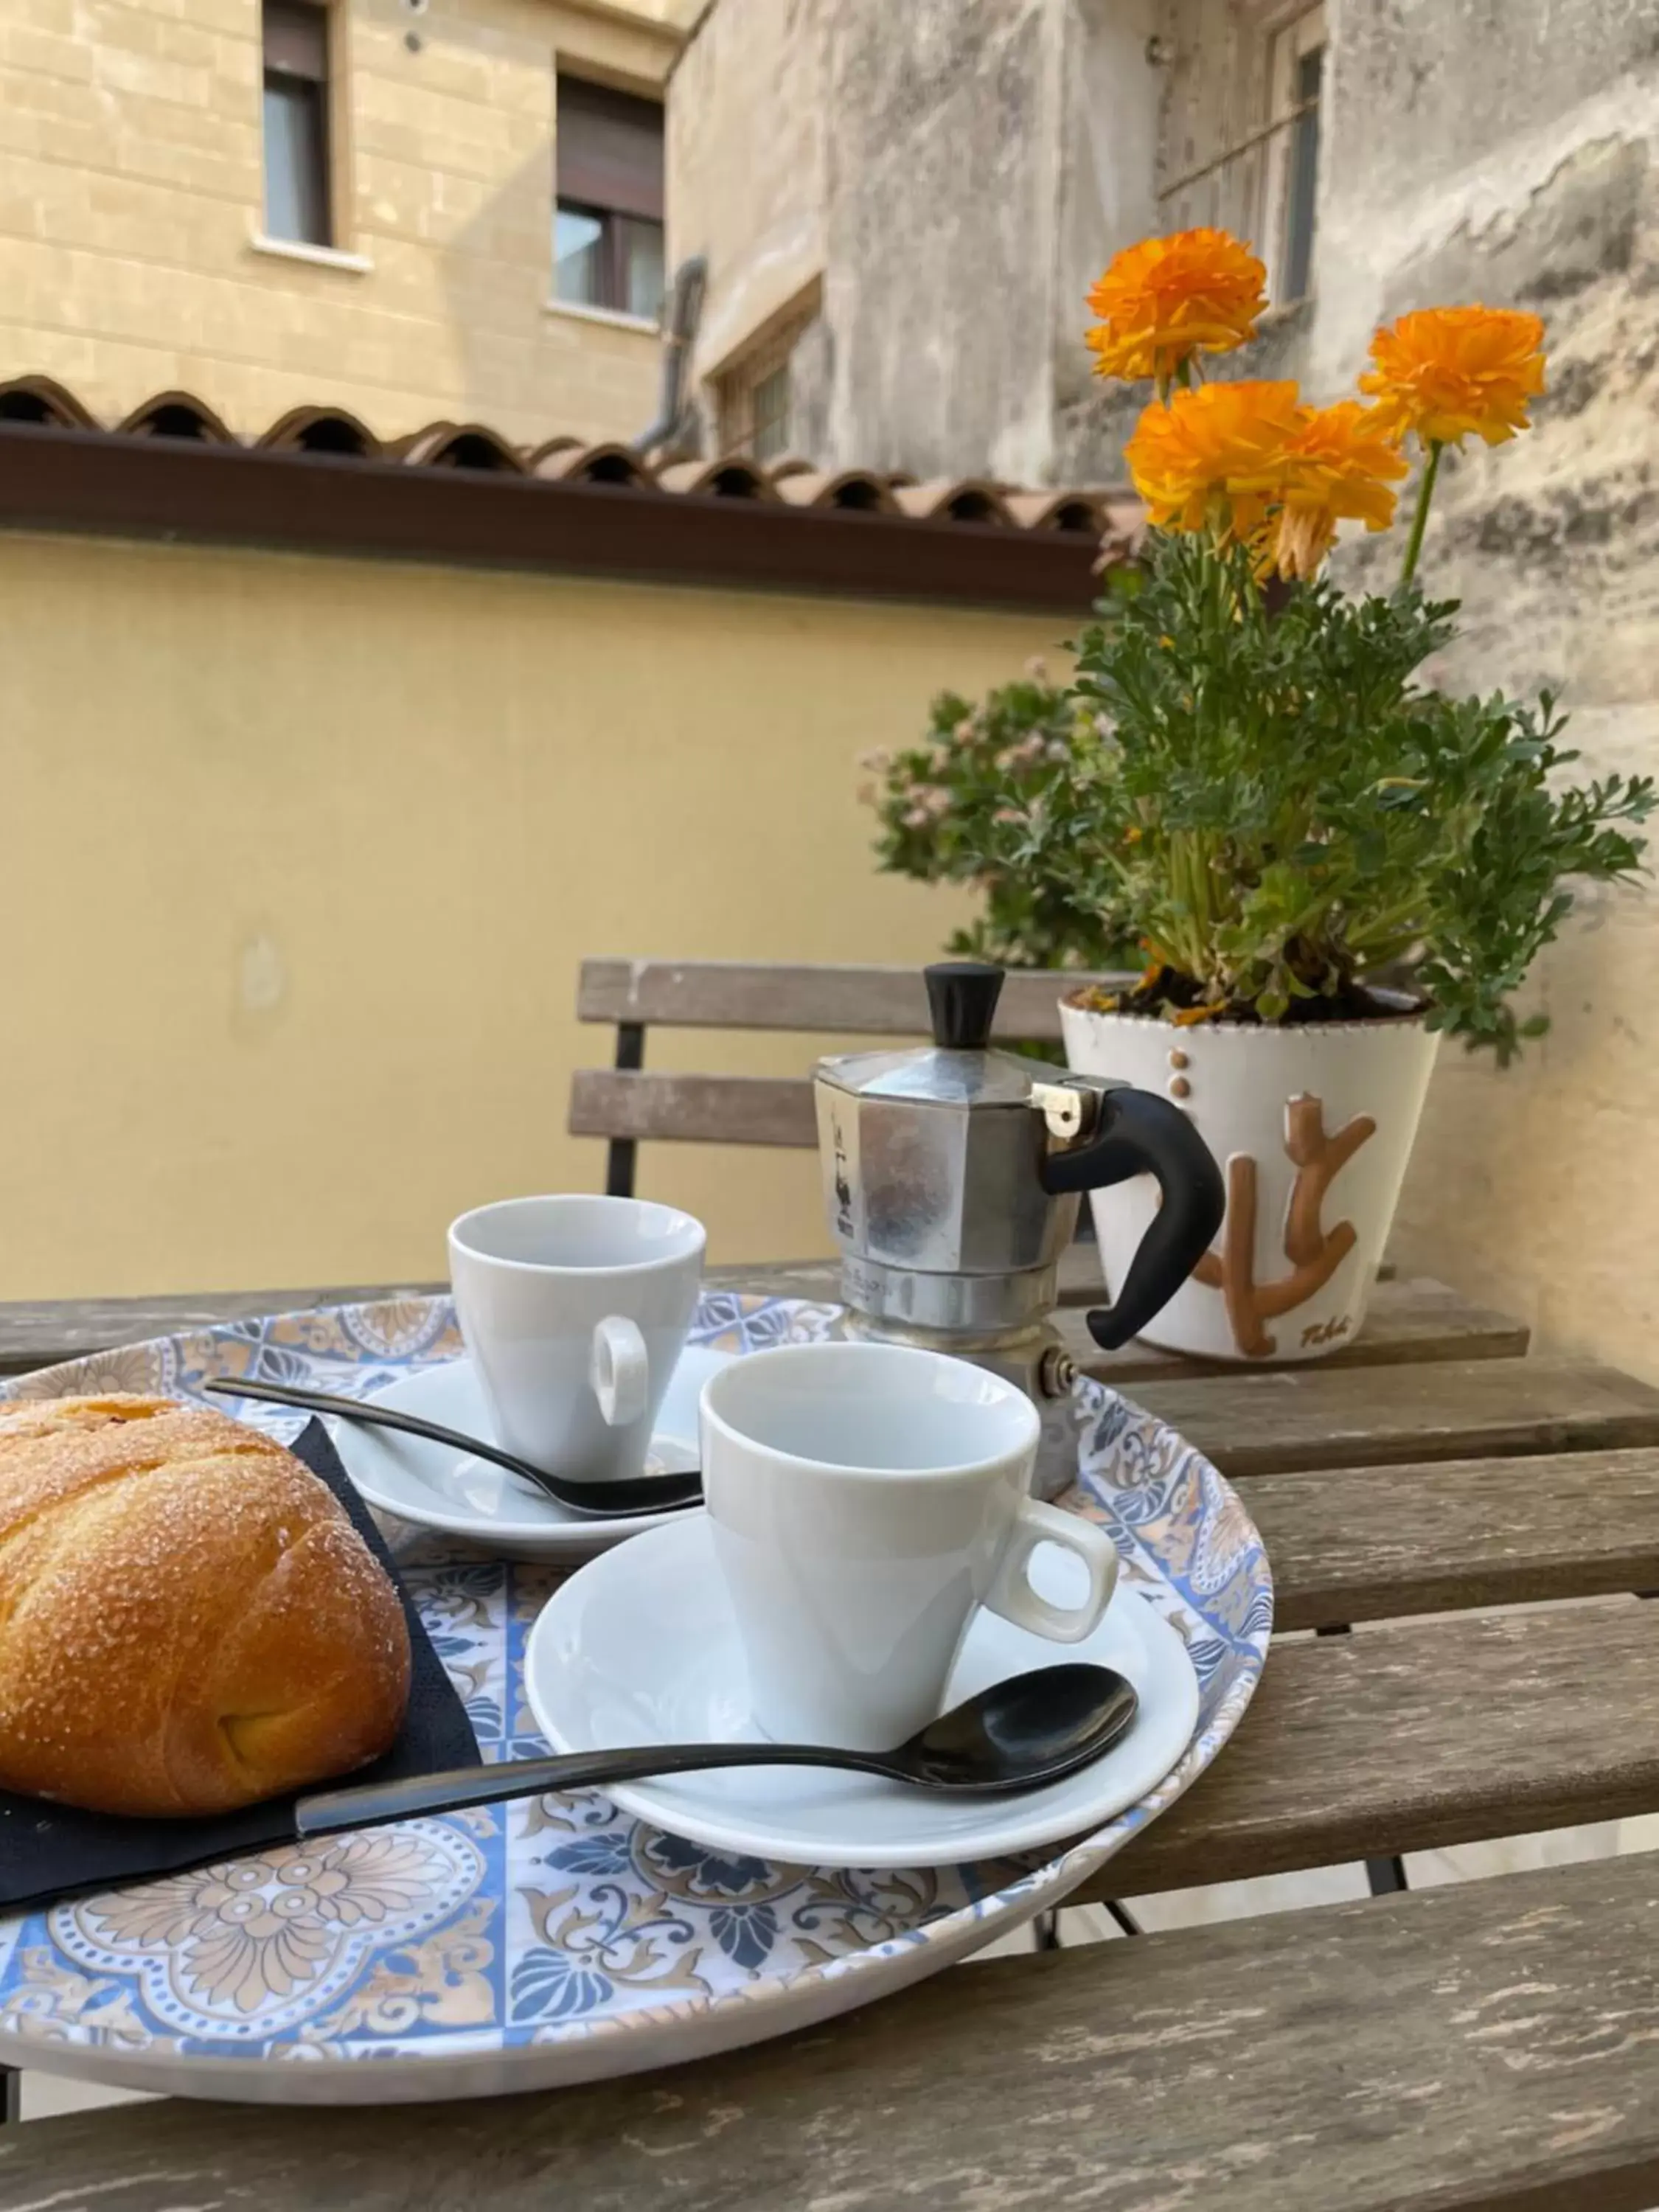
(1011,1592)
(620,1370)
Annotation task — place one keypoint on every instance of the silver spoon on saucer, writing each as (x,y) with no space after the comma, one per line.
(613,1501)
(1019,1734)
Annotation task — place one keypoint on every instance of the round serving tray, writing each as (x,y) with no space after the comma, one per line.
(557,1939)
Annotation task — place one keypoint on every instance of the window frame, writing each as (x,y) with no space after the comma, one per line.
(333,103)
(1250,177)
(611,260)
(631,199)
(1296,123)
(739,382)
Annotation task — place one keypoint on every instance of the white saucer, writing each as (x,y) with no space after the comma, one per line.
(641,1647)
(434,1487)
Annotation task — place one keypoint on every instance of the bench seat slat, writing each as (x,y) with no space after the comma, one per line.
(1482,2047)
(1417,1735)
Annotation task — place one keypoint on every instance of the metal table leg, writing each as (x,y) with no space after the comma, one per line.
(1384,1877)
(11,2096)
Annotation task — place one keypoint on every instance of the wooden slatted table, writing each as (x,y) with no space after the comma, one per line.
(1488,2047)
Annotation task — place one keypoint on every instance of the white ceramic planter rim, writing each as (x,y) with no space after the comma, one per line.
(1407,1018)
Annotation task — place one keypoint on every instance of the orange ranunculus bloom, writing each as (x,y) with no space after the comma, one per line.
(1444,371)
(1215,454)
(1342,465)
(1160,302)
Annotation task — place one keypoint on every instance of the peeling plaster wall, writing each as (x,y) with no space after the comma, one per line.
(748,132)
(948,168)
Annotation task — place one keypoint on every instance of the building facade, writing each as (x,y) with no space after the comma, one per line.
(897,267)
(409,208)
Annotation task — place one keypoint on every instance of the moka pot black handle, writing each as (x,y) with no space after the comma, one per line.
(1137,1133)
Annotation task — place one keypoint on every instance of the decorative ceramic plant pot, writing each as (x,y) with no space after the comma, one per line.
(1313,1126)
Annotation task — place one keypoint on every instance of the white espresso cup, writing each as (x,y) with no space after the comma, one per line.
(575,1310)
(865,1498)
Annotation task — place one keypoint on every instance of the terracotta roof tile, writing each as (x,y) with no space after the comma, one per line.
(43,399)
(1056,510)
(737,478)
(461,445)
(954,499)
(548,450)
(850,487)
(321,430)
(178,415)
(606,463)
(1079,514)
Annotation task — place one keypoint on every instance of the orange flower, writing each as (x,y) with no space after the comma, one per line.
(1215,454)
(1342,465)
(1444,371)
(1167,299)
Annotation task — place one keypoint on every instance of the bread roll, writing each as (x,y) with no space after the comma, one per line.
(188,1620)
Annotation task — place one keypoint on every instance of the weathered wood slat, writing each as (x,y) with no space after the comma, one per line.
(1284,1420)
(1407,1321)
(697,1110)
(742,994)
(1407,1737)
(1487,2047)
(1350,1545)
(1417,1320)
(72,1329)
(1080,1273)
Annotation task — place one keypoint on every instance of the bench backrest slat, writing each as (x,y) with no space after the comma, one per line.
(692,1110)
(629,1103)
(744,994)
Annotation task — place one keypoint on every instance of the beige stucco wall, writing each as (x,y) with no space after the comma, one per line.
(301,857)
(131,188)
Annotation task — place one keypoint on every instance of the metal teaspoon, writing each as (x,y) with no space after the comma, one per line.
(614,1501)
(1031,1729)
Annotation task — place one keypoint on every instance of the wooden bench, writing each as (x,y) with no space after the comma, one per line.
(627,1102)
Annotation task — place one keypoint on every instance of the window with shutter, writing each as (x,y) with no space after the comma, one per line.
(608,202)
(296,101)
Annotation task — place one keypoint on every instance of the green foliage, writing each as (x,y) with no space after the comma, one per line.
(954,809)
(1263,795)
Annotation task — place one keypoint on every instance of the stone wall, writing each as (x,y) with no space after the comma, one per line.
(130,190)
(1508,151)
(906,159)
(749,130)
(946,173)
(1523,168)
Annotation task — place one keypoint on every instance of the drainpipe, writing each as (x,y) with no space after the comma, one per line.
(679,330)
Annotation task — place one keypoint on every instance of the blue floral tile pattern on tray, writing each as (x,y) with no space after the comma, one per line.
(559,1918)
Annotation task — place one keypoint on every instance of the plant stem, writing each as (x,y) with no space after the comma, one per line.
(1424,494)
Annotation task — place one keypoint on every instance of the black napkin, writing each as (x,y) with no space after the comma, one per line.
(48,1851)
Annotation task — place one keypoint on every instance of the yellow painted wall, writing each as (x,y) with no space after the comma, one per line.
(300,857)
(131,188)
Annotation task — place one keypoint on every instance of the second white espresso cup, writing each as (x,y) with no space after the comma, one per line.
(575,1310)
(865,1499)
